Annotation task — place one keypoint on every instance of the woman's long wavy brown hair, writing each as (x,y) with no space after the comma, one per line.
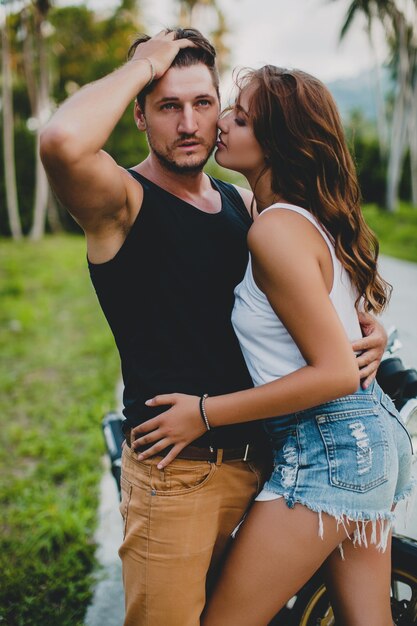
(296,121)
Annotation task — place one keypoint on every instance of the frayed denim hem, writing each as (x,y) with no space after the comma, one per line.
(381,521)
(409,492)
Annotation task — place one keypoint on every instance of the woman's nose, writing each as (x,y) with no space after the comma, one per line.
(222,123)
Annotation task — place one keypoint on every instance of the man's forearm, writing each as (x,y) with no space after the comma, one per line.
(85,121)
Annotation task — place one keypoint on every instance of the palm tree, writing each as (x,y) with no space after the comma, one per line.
(202,14)
(402,65)
(367,8)
(8,135)
(401,31)
(42,103)
(218,38)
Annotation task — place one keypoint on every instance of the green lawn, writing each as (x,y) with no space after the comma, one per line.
(397,232)
(58,371)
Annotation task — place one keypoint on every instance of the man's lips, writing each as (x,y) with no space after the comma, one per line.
(188,144)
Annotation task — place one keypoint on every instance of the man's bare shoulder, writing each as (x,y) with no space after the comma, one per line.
(107,235)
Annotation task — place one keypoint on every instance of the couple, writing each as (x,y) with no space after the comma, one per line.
(167,246)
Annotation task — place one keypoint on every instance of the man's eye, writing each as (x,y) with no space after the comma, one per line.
(169,106)
(204,103)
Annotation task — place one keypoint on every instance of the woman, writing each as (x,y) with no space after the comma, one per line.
(340,467)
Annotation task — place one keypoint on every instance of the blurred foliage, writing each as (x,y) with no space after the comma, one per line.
(84,46)
(396,232)
(370,165)
(53,341)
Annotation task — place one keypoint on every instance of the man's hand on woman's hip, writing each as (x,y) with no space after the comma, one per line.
(370,348)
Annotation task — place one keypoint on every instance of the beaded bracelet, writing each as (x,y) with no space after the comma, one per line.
(205,419)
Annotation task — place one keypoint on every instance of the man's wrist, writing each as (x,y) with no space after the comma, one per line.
(151,67)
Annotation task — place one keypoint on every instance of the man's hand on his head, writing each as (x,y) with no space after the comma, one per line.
(371,347)
(160,51)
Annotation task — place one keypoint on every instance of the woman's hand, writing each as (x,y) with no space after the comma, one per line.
(161,50)
(177,427)
(371,346)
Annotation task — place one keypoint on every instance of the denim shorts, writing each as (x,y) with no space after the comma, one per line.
(350,458)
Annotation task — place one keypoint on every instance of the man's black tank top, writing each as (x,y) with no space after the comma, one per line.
(168,297)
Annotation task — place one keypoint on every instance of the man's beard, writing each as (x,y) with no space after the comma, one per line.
(169,162)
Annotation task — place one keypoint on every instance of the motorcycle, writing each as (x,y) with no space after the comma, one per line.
(311,606)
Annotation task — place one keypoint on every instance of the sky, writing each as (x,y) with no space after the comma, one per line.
(291,33)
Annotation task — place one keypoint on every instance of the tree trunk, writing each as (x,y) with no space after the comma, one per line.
(54,219)
(382,124)
(396,155)
(8,140)
(43,109)
(413,137)
(28,59)
(41,197)
(400,119)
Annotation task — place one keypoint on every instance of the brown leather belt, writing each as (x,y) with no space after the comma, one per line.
(247,452)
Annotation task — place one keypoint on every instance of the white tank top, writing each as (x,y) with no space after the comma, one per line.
(268,348)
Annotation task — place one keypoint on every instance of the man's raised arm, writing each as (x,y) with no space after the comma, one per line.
(86,179)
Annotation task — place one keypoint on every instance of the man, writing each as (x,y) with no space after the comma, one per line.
(166,247)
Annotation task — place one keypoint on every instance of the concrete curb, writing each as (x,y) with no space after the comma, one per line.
(107,606)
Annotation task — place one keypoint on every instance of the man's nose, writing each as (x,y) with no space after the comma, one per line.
(188,122)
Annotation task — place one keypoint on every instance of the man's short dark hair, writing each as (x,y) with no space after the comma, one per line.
(203,53)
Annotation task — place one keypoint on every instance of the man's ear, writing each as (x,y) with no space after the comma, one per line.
(139,116)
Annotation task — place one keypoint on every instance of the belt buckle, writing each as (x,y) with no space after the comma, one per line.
(245,456)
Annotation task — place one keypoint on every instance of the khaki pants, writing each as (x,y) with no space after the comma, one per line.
(177,525)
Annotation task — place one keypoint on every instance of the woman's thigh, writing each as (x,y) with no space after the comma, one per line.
(357,597)
(276,551)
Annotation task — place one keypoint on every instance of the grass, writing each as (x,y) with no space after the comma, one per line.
(58,371)
(397,232)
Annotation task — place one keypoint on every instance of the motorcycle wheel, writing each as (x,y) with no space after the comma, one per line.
(312,606)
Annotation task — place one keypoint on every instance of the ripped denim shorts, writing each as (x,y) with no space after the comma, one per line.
(350,458)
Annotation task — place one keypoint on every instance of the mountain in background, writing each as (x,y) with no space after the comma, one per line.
(358,93)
